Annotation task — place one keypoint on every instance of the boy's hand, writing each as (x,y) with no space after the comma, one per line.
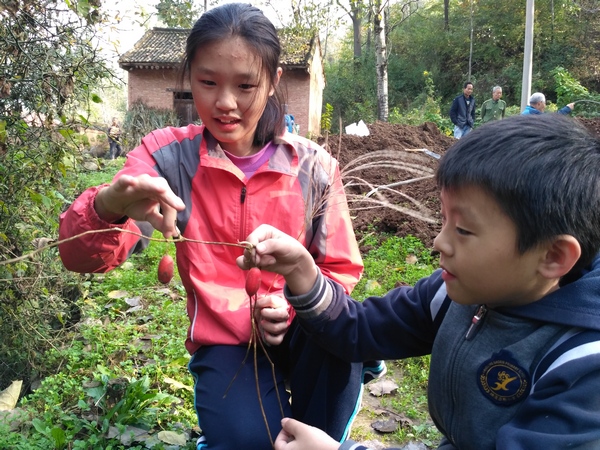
(299,436)
(271,314)
(143,198)
(277,252)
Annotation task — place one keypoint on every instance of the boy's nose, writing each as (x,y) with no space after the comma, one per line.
(441,243)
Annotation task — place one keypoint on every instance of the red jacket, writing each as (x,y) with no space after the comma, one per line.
(299,191)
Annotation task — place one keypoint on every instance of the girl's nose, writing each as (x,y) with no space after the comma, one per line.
(226,101)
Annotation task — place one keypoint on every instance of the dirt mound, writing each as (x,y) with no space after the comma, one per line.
(392,153)
(593,125)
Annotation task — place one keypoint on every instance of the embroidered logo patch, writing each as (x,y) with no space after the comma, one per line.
(502,380)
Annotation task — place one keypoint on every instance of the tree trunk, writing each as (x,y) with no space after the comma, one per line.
(382,63)
(446,15)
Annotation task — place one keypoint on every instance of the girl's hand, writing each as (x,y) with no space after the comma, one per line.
(299,436)
(141,198)
(271,315)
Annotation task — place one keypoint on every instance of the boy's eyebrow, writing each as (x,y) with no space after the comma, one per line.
(465,212)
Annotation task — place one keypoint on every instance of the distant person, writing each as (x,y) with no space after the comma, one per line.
(114,136)
(494,108)
(290,121)
(462,111)
(537,105)
(512,317)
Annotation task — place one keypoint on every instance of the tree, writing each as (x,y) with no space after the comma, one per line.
(355,12)
(379,28)
(178,13)
(50,63)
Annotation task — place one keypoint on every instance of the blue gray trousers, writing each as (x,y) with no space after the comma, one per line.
(325,391)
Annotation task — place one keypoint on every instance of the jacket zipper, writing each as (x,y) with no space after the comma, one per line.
(243,217)
(476,321)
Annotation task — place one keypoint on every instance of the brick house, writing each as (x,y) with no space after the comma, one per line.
(153,76)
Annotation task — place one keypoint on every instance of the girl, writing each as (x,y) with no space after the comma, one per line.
(217,182)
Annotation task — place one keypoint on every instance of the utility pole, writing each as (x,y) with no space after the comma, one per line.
(527,54)
(471,44)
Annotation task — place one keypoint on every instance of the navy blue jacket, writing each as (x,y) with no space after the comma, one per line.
(462,114)
(527,378)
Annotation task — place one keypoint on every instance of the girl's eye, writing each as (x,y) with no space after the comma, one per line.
(207,82)
(246,86)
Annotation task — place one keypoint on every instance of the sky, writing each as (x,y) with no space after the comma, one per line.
(132,19)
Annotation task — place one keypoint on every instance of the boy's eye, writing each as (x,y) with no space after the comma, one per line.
(462,231)
(207,82)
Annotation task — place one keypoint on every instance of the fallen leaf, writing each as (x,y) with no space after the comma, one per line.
(411,259)
(117,294)
(133,301)
(178,385)
(172,438)
(382,387)
(129,434)
(371,285)
(385,426)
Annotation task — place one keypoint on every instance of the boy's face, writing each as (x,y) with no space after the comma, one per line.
(478,252)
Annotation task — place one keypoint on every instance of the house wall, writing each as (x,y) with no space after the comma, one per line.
(296,84)
(304,93)
(153,87)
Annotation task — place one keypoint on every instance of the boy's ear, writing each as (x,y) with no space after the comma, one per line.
(560,257)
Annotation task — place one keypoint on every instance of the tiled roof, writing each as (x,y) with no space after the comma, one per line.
(159,48)
(164,48)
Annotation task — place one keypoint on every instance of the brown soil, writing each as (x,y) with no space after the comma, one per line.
(394,144)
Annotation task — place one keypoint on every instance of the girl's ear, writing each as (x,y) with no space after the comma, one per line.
(560,257)
(276,81)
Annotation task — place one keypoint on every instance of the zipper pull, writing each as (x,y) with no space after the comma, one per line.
(475,321)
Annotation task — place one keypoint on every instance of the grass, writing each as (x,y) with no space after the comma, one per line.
(123,368)
(391,261)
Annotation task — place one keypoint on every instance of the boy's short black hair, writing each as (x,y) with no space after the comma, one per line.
(544,172)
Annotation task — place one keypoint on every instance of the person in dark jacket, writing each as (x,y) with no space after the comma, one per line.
(512,316)
(537,105)
(114,136)
(462,111)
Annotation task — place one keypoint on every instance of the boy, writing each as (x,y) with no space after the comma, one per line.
(512,317)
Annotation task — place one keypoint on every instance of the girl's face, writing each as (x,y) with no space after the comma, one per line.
(230,91)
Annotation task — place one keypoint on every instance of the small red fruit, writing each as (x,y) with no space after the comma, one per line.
(253,281)
(165,269)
